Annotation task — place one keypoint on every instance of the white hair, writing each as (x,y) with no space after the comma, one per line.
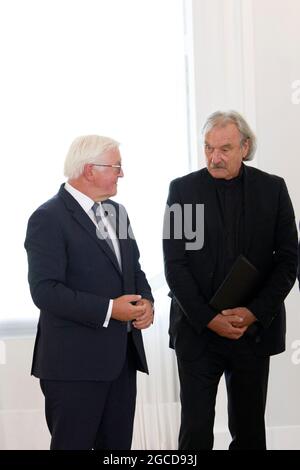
(222,118)
(86,149)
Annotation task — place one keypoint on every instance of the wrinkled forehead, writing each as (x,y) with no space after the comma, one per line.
(223,134)
(111,156)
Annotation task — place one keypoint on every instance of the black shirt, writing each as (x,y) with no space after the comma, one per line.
(231,210)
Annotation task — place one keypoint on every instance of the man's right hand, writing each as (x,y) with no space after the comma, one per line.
(222,325)
(124,310)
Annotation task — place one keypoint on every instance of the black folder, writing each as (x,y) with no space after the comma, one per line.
(238,286)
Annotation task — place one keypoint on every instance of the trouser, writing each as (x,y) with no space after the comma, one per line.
(246,378)
(84,415)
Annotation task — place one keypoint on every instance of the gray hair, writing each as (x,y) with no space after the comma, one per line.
(86,149)
(221,118)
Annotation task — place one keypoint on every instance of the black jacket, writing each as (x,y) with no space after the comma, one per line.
(270,241)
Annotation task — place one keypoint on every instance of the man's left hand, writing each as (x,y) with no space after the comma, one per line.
(146,319)
(244,313)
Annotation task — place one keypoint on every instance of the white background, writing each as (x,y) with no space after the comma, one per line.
(74,67)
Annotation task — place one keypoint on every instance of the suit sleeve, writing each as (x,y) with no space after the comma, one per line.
(142,286)
(47,262)
(283,274)
(181,282)
(141,282)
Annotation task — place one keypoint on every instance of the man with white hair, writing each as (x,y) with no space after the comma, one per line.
(94,300)
(246,212)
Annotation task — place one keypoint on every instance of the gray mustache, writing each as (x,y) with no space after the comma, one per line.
(219,166)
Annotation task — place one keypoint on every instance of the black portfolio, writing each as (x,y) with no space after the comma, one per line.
(237,287)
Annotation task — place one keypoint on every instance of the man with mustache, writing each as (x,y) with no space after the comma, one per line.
(246,212)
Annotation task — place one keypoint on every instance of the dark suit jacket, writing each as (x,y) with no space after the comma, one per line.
(72,276)
(299,263)
(270,242)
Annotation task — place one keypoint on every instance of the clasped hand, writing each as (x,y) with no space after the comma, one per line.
(133,308)
(232,323)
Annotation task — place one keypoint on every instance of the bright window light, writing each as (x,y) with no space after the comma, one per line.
(74,67)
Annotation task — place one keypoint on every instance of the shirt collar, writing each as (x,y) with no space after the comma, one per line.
(85,202)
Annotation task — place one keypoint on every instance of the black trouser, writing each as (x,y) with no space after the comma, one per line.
(246,379)
(83,415)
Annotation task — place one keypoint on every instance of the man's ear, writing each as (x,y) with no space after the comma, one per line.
(245,148)
(88,171)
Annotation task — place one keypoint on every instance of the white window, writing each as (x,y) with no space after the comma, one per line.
(72,67)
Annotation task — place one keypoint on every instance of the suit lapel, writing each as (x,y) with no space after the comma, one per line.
(86,223)
(123,234)
(250,207)
(125,238)
(211,208)
(213,224)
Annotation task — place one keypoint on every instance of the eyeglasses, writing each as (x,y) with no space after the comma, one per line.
(118,168)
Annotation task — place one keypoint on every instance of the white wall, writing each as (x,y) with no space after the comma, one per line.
(277,66)
(247,57)
(22,422)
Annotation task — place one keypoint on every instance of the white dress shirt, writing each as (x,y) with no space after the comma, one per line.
(86,203)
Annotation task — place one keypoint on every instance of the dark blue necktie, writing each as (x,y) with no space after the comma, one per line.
(102,232)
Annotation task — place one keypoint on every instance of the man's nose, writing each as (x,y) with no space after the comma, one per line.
(216,156)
